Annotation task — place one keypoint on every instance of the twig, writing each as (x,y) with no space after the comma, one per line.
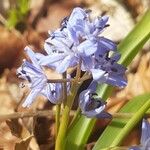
(16,115)
(43,113)
(50,114)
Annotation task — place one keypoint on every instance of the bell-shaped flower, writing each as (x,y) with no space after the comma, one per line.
(91,106)
(34,74)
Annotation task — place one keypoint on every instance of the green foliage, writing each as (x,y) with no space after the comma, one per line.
(129,47)
(18,13)
(112,136)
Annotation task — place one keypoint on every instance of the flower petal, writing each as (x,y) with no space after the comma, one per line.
(145,131)
(77,14)
(62,67)
(98,75)
(31,97)
(88,47)
(116,81)
(32,56)
(50,59)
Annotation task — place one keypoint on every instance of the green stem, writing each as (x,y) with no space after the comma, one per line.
(57,119)
(132,122)
(60,141)
(61,138)
(75,118)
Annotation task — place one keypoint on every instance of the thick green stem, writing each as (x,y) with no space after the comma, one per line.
(132,122)
(57,119)
(60,141)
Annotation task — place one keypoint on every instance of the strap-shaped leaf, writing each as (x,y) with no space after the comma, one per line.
(115,132)
(129,47)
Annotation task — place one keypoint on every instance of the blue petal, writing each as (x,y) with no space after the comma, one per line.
(72,34)
(120,69)
(145,131)
(87,63)
(93,86)
(95,112)
(50,59)
(83,99)
(116,81)
(116,56)
(98,75)
(101,22)
(88,47)
(64,64)
(48,48)
(31,97)
(35,91)
(61,44)
(53,92)
(77,13)
(32,56)
(105,45)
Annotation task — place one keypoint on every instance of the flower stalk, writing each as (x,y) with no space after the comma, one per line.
(57,119)
(60,141)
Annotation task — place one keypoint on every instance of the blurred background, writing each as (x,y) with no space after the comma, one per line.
(27,22)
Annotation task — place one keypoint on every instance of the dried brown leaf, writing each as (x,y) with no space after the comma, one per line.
(23,144)
(18,129)
(15,127)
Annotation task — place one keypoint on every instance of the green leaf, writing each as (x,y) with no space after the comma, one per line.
(12,19)
(129,47)
(18,13)
(73,140)
(23,6)
(119,128)
(135,40)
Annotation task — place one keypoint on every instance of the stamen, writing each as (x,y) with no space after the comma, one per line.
(53,92)
(107,25)
(71,46)
(28,78)
(18,74)
(24,72)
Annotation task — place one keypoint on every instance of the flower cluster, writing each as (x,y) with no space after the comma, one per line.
(77,41)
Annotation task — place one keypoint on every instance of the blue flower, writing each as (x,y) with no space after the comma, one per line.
(107,70)
(145,137)
(91,106)
(77,39)
(62,53)
(34,74)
